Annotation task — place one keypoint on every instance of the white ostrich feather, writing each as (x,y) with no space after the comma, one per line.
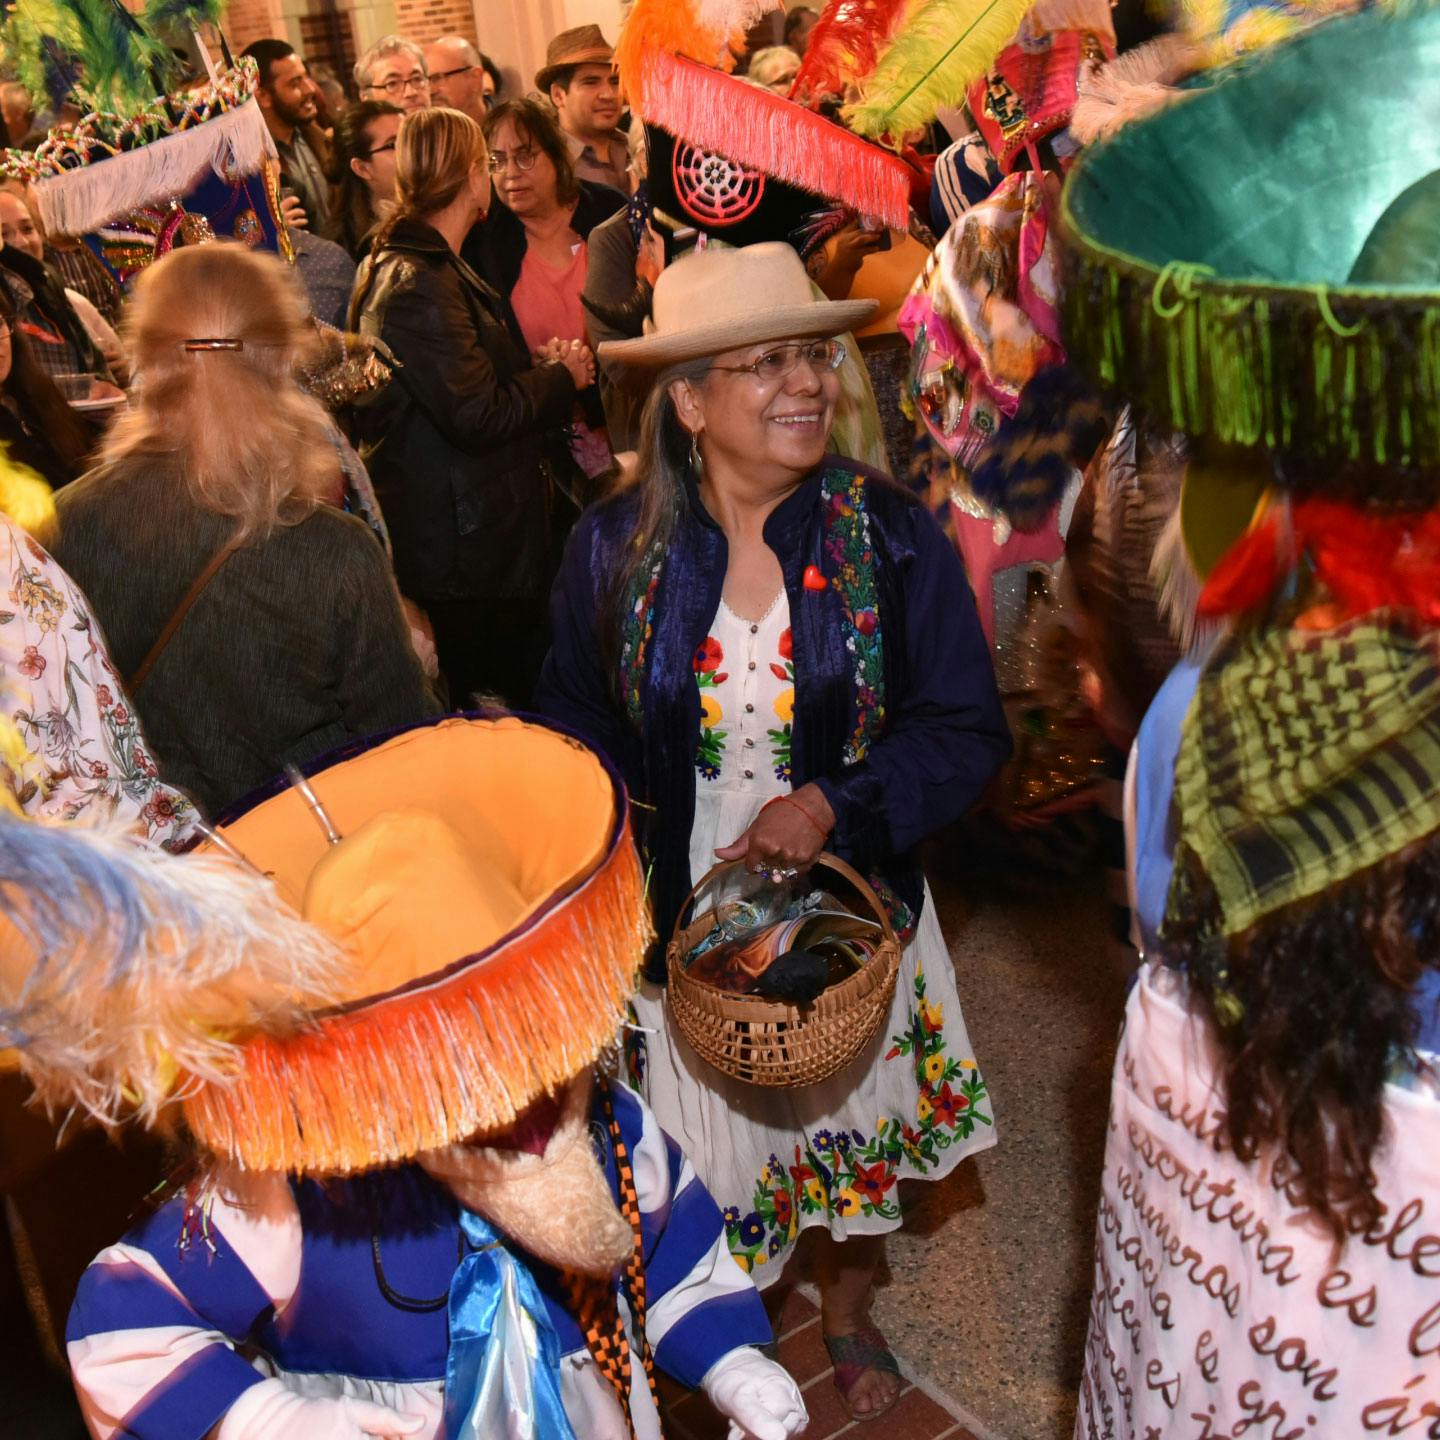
(124,969)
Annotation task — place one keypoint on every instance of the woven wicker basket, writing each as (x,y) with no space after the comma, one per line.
(767,1042)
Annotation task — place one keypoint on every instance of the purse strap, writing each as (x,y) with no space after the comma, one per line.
(141,673)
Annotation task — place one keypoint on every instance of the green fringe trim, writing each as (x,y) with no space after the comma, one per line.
(1342,384)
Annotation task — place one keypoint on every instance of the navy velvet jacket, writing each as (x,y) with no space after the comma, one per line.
(945,734)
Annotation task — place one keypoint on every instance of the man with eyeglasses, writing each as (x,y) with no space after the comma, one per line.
(393,69)
(579,77)
(287,102)
(457,76)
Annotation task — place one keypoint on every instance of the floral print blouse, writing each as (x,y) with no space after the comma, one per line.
(746,675)
(74,749)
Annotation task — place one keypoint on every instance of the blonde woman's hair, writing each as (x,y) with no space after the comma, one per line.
(434,153)
(245,439)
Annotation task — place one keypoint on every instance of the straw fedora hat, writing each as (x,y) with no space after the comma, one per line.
(719,299)
(584,45)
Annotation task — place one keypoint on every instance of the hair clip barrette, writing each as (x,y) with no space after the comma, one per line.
(214,344)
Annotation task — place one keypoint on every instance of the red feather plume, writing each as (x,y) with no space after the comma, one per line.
(845,46)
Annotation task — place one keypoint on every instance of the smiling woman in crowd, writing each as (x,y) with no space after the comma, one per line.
(750,634)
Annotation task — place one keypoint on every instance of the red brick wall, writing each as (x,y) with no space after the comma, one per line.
(422,20)
(247,20)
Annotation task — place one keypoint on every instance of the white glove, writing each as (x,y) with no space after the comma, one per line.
(759,1399)
(271,1411)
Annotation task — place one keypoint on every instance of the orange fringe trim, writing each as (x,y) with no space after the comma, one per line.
(752,127)
(438,1063)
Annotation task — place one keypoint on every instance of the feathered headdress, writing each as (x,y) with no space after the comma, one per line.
(673,68)
(151,165)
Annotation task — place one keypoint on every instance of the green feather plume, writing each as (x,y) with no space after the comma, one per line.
(176,18)
(122,65)
(937,54)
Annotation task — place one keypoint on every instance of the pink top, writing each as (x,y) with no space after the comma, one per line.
(547,301)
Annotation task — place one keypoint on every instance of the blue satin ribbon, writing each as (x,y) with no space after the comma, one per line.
(502,1375)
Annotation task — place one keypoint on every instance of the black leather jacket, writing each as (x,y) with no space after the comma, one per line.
(462,443)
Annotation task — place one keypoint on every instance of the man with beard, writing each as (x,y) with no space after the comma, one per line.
(580,79)
(287,101)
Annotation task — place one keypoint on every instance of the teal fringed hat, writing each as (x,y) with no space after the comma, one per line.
(1259,265)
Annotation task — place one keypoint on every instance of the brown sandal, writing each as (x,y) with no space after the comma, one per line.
(852,1356)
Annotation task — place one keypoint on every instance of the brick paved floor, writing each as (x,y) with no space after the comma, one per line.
(915,1416)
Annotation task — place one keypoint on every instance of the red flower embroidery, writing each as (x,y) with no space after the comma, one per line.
(103,698)
(708,656)
(142,762)
(120,715)
(99,769)
(787,648)
(33,663)
(873,1181)
(781,1199)
(948,1106)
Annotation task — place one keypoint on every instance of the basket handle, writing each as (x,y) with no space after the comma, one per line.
(826,860)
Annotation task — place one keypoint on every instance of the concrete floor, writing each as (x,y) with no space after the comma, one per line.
(989,1282)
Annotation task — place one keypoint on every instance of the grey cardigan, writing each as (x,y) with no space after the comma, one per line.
(298,643)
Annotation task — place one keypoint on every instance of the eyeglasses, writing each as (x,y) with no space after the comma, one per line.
(398,85)
(524,159)
(451,74)
(781,362)
(380,149)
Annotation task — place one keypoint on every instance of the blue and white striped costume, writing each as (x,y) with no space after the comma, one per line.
(296,1274)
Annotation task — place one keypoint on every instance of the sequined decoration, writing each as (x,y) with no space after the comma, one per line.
(247,229)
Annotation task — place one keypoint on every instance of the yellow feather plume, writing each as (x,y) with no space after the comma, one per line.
(939,51)
(26,498)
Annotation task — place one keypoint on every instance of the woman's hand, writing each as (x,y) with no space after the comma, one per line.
(579,360)
(575,355)
(788,834)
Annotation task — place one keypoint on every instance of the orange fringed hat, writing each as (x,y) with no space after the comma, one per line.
(479,879)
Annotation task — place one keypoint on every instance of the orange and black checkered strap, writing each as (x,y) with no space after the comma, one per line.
(595,1299)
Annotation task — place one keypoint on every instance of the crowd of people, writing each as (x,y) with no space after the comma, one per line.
(494,435)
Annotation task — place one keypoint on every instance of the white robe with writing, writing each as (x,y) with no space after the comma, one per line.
(1218,1308)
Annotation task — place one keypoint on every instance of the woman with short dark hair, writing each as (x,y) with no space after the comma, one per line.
(532,246)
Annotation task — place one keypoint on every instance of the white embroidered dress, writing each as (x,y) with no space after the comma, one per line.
(913,1105)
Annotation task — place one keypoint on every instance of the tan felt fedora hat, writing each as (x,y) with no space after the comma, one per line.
(584,45)
(716,300)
